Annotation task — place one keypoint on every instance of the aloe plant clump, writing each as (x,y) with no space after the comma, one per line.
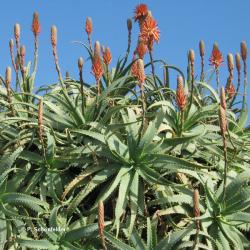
(126,161)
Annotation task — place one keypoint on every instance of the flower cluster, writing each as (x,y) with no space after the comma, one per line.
(149,31)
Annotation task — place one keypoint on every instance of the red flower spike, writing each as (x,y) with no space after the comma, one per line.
(216,58)
(141,11)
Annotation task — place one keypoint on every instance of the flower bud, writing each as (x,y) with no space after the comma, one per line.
(129,24)
(107,56)
(53,36)
(97,50)
(11,44)
(215,46)
(22,51)
(230,62)
(80,63)
(243,48)
(191,56)
(17,31)
(36,28)
(202,48)
(237,59)
(89,25)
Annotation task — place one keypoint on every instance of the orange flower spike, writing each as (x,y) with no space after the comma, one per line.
(181,98)
(107,56)
(36,27)
(53,36)
(97,68)
(89,25)
(150,32)
(230,90)
(216,58)
(141,48)
(141,11)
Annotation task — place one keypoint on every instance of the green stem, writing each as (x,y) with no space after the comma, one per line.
(152,66)
(192,89)
(245,86)
(127,51)
(225,167)
(217,79)
(82,94)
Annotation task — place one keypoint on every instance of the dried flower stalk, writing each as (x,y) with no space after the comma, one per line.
(101,223)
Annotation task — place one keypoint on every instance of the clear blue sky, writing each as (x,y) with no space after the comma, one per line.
(182,23)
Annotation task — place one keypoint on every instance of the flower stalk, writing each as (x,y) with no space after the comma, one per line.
(223,129)
(101,224)
(243,46)
(80,67)
(202,54)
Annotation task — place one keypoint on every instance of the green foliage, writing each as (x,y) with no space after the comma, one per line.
(134,150)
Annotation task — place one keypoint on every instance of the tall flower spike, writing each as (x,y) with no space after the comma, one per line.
(238,64)
(243,49)
(140,12)
(36,28)
(17,31)
(107,56)
(89,26)
(181,98)
(53,36)
(223,102)
(216,58)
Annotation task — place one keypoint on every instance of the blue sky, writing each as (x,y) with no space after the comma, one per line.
(182,24)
